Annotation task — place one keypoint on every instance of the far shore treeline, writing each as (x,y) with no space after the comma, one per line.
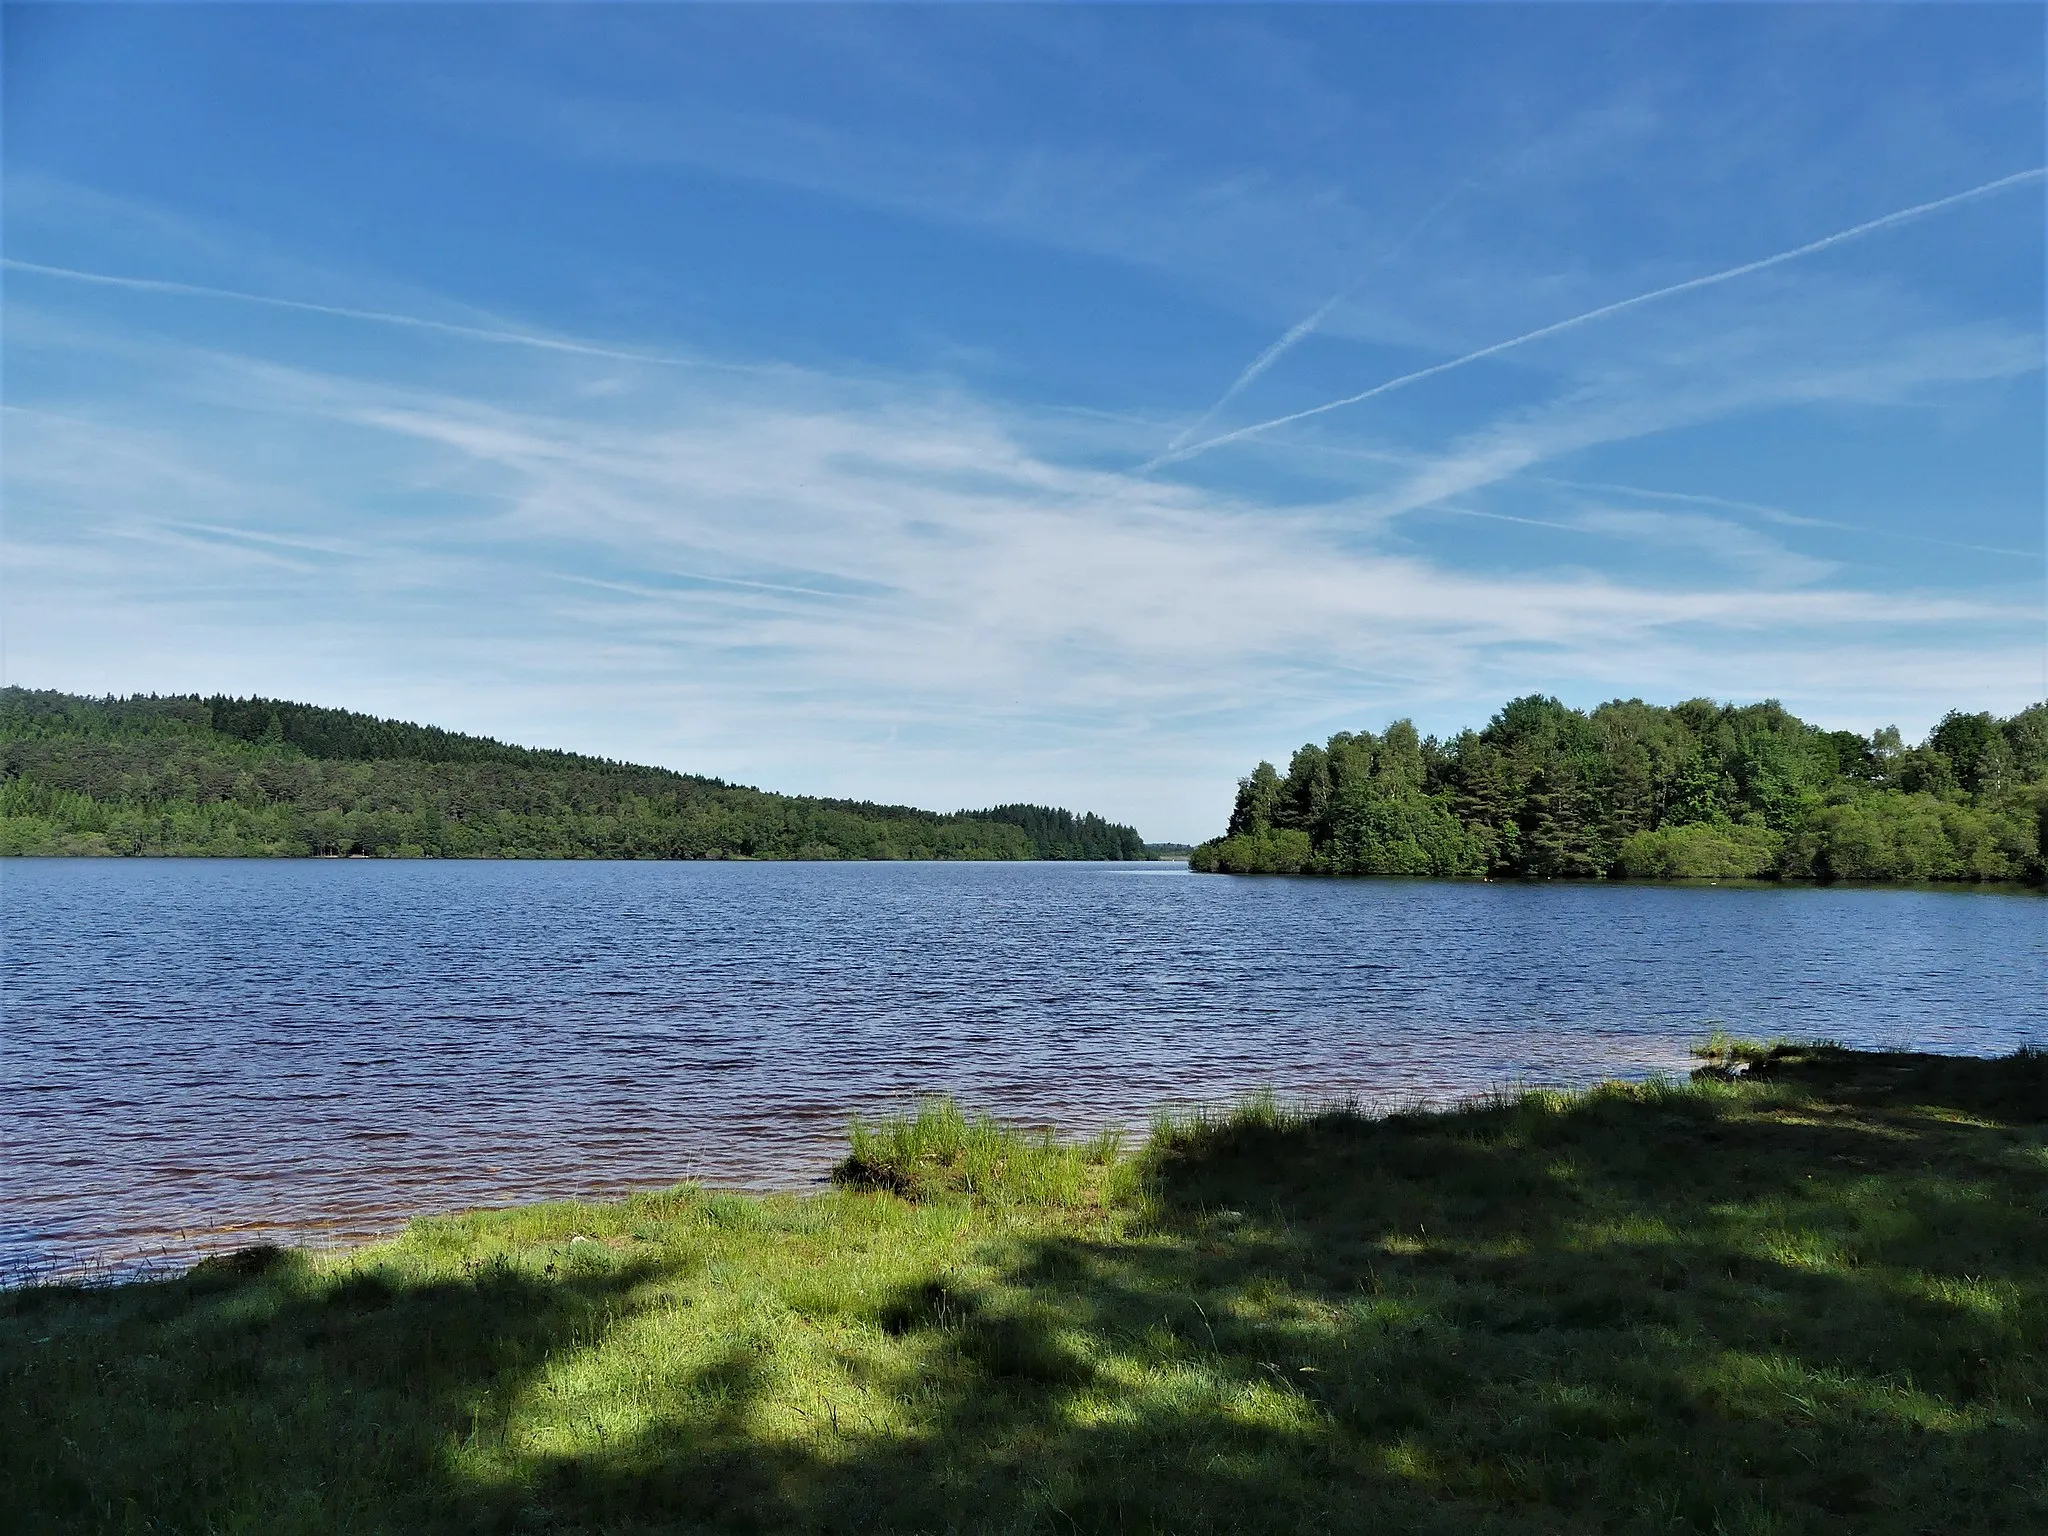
(1635,790)
(185,775)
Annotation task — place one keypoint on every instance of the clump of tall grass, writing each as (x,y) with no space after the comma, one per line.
(1728,1053)
(1257,1114)
(942,1152)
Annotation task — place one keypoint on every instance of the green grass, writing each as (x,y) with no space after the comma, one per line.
(943,1152)
(1811,1295)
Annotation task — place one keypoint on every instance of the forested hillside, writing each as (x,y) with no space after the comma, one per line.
(1702,790)
(190,775)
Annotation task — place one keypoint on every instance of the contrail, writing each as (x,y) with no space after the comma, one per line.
(380,317)
(1854,232)
(1301,329)
(1258,365)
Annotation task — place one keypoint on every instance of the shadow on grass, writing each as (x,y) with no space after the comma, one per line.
(1812,1299)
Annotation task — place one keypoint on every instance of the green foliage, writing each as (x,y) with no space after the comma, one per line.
(943,1152)
(1403,834)
(1057,834)
(1921,836)
(1701,851)
(259,777)
(1976,747)
(1258,802)
(1698,791)
(1269,851)
(2026,738)
(1809,1297)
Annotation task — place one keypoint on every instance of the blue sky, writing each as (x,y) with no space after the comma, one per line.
(841,400)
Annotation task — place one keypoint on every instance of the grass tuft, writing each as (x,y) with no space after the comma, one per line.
(1728,1053)
(942,1152)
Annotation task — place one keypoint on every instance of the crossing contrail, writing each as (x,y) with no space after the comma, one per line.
(1303,328)
(1258,365)
(380,317)
(1886,221)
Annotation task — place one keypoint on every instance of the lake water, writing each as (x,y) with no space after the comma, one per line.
(200,1054)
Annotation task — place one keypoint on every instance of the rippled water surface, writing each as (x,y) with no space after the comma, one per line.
(199,1053)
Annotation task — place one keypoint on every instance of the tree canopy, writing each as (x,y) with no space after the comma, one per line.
(1698,790)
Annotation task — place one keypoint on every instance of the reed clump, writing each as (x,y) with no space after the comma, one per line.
(1727,1054)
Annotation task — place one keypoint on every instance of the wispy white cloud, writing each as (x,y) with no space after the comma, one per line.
(1791,519)
(1738,549)
(494,335)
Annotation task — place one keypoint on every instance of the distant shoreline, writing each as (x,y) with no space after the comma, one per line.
(1678,882)
(223,776)
(109,854)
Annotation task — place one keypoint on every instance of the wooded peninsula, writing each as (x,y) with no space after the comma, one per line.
(186,775)
(1635,790)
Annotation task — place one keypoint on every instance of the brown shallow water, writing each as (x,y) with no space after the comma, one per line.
(201,1054)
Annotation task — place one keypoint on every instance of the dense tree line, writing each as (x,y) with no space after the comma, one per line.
(1058,834)
(191,775)
(1702,790)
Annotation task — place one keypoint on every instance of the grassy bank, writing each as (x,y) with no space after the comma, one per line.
(1810,1298)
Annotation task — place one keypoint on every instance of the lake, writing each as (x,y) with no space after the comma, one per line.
(201,1054)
